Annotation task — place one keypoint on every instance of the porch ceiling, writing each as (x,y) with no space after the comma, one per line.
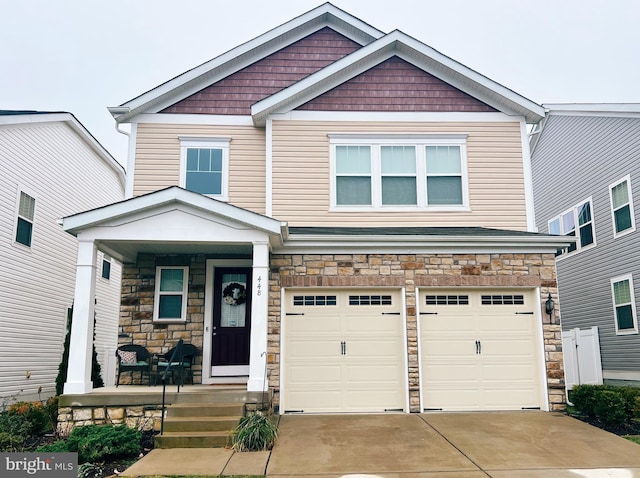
(127,251)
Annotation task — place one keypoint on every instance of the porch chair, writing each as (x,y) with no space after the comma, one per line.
(180,367)
(134,358)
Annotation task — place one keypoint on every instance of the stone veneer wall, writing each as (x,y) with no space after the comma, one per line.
(420,270)
(139,417)
(136,310)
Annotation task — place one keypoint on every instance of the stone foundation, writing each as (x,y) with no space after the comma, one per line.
(140,417)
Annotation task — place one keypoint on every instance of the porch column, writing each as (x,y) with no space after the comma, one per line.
(80,348)
(259,314)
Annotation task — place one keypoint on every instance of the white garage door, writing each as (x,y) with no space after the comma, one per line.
(343,351)
(479,350)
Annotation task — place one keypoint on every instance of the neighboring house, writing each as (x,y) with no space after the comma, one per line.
(50,167)
(586,175)
(342,215)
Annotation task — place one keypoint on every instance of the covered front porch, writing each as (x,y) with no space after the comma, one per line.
(195,269)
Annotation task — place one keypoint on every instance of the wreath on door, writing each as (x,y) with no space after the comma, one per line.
(234,294)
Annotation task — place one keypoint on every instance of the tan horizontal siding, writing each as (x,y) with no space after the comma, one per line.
(301,175)
(158,160)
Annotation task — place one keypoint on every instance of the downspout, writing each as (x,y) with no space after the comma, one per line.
(128,191)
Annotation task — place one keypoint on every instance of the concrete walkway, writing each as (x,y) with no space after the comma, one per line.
(460,445)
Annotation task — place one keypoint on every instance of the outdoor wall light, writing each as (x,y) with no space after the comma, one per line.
(549,305)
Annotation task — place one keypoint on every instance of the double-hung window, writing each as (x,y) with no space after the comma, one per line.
(398,172)
(624,305)
(577,222)
(204,166)
(24,222)
(170,302)
(622,207)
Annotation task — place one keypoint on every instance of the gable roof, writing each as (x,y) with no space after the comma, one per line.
(377,47)
(16,117)
(194,80)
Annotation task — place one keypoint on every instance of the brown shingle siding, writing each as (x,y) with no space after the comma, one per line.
(267,76)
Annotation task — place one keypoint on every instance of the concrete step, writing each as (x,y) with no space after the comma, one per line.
(205,410)
(218,439)
(201,424)
(231,395)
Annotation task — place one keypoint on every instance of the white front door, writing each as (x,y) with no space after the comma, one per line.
(343,351)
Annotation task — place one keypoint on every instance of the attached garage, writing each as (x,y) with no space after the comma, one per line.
(343,351)
(480,349)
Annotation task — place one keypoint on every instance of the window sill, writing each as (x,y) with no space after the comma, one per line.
(380,209)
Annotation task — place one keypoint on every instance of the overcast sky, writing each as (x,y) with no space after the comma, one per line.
(82,56)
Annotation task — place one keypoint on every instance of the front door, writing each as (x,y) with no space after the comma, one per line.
(231,321)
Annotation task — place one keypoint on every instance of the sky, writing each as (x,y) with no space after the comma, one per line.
(83,56)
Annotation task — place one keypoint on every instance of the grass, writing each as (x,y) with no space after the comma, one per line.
(633,438)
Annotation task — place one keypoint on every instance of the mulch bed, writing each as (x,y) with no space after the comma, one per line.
(632,428)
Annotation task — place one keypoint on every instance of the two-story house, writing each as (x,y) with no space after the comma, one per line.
(341,215)
(586,174)
(50,167)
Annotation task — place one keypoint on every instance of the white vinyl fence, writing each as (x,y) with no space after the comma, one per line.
(582,364)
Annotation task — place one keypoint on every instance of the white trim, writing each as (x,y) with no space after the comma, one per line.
(131,161)
(283,346)
(542,361)
(419,142)
(29,192)
(207,348)
(616,234)
(405,354)
(528,179)
(269,168)
(195,119)
(576,218)
(221,144)
(617,110)
(348,116)
(184,293)
(419,349)
(622,278)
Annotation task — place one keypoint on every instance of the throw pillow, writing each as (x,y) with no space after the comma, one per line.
(127,358)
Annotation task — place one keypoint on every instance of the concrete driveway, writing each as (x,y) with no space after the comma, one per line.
(464,445)
(438,445)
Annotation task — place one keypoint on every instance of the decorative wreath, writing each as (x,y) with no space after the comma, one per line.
(234,294)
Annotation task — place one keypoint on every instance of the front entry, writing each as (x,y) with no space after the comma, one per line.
(231,322)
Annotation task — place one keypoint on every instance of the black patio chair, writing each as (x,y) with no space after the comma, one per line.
(134,358)
(180,367)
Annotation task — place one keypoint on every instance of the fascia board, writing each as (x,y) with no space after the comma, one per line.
(417,53)
(424,244)
(613,110)
(82,221)
(244,55)
(77,127)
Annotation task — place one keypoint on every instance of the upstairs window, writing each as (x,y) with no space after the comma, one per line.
(24,223)
(170,303)
(624,306)
(622,207)
(204,167)
(576,222)
(398,173)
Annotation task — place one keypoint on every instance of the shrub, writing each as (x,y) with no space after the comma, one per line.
(610,405)
(99,443)
(41,416)
(255,432)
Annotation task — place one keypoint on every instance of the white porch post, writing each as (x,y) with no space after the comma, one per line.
(81,346)
(259,315)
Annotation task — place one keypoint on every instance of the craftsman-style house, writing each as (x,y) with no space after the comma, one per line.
(337,214)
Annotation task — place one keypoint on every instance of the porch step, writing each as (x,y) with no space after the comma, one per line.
(199,425)
(193,440)
(205,410)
